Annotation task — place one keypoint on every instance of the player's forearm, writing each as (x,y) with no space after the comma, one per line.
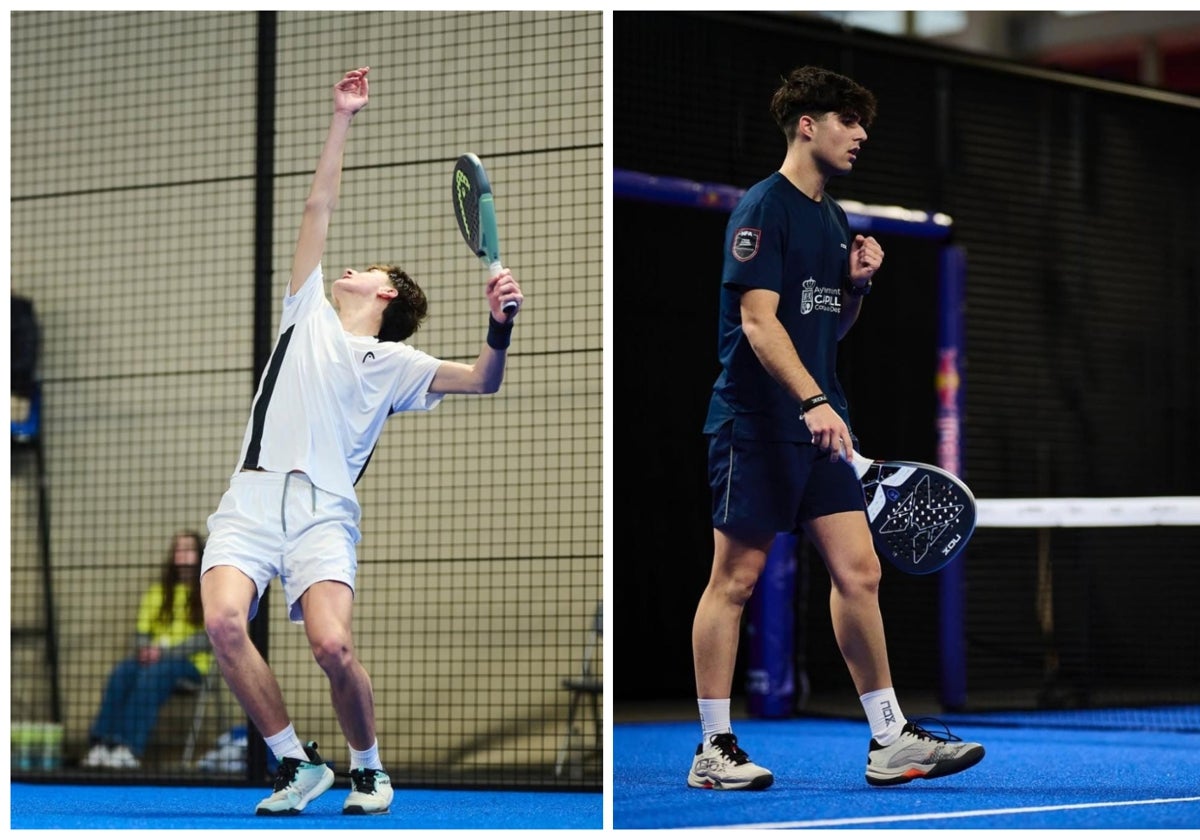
(322,198)
(328,176)
(492,359)
(775,351)
(489,369)
(482,377)
(851,307)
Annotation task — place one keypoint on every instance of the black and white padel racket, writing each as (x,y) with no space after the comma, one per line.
(921,516)
(475,211)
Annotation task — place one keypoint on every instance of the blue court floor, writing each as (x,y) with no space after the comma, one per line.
(44,806)
(1037,774)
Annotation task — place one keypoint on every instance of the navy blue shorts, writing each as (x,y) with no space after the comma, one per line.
(768,486)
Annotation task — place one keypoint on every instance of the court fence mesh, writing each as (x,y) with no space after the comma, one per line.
(160,163)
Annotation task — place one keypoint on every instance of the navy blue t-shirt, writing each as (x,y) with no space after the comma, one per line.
(780,239)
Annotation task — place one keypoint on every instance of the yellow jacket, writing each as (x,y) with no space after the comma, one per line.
(179,631)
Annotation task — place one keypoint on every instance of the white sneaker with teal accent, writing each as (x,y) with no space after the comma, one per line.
(297,783)
(370,792)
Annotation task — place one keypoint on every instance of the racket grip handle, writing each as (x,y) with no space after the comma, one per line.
(860,464)
(510,308)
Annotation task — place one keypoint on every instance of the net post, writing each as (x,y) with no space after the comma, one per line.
(770,631)
(952,263)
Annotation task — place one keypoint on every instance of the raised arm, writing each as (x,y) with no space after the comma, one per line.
(349,97)
(486,374)
(865,258)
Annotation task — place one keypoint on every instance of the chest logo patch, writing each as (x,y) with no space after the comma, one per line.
(745,243)
(819,298)
(369,355)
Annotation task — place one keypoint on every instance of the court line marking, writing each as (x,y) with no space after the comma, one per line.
(950,815)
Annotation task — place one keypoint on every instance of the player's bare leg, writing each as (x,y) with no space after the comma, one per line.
(719,762)
(327,614)
(900,751)
(844,541)
(227,594)
(737,564)
(328,608)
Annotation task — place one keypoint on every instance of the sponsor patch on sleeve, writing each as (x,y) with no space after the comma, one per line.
(745,243)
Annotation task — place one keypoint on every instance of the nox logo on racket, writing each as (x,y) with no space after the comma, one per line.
(950,545)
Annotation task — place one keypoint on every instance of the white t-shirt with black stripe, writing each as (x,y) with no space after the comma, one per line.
(325,395)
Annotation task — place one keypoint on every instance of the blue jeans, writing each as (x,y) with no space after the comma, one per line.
(132,699)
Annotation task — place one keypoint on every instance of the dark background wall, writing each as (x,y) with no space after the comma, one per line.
(1079,209)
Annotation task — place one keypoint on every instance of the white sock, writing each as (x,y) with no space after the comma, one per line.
(367,758)
(714,718)
(285,744)
(884,715)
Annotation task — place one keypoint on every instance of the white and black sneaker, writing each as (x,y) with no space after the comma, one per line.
(918,754)
(297,783)
(370,792)
(723,765)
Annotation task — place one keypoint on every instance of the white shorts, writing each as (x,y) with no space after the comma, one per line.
(280,524)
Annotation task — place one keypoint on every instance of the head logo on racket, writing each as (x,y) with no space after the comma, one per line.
(462,188)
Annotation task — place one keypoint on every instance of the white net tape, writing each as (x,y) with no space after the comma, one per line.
(1112,512)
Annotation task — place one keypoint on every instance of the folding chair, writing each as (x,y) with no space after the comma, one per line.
(586,687)
(204,690)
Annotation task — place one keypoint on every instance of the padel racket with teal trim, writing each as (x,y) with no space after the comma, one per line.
(475,210)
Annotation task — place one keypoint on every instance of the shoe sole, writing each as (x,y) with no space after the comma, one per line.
(944,768)
(359,810)
(325,784)
(704,783)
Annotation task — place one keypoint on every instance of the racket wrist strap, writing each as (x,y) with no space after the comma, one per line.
(812,402)
(498,335)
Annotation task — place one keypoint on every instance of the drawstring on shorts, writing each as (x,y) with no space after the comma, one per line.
(283,500)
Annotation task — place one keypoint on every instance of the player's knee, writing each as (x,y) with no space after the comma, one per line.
(859,576)
(226,628)
(737,585)
(334,652)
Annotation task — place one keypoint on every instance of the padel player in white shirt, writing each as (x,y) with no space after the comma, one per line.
(336,374)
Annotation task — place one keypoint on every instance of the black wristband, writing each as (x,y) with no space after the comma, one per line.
(499,335)
(812,402)
(860,291)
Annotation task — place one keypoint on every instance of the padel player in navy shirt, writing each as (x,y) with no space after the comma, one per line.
(779,434)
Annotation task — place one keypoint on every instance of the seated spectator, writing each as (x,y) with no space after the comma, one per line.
(170,646)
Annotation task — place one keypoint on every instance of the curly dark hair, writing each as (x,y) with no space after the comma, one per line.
(816,91)
(406,311)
